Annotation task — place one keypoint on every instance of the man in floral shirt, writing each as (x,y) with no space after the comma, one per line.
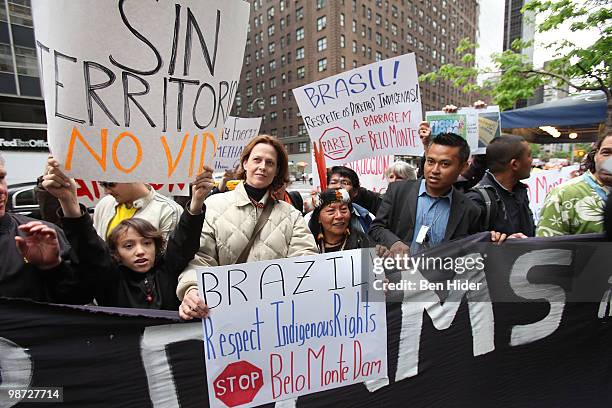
(577,207)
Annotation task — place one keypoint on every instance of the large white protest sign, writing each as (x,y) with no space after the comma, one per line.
(283,328)
(542,182)
(369,111)
(469,123)
(237,133)
(138,90)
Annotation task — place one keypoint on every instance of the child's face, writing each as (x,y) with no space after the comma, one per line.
(135,251)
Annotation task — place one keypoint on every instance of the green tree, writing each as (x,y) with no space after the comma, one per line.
(583,68)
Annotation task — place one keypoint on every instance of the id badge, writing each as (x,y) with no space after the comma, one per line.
(422,234)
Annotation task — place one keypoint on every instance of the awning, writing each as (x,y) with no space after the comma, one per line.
(583,114)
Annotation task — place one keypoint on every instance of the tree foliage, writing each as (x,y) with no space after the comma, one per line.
(582,68)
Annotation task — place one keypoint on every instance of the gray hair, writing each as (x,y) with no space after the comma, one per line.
(401,169)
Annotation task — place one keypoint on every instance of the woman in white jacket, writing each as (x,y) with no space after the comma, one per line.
(231,218)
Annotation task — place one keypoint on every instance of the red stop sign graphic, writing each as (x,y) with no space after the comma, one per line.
(238,383)
(336,143)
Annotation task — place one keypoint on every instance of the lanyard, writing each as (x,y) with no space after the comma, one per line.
(598,189)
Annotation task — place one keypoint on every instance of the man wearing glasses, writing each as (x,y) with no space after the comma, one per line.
(127,200)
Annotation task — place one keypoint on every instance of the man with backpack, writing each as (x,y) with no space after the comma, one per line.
(503,200)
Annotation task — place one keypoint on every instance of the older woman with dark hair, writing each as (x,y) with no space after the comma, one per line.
(331,223)
(248,224)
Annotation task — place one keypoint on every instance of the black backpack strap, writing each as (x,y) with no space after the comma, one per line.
(488,202)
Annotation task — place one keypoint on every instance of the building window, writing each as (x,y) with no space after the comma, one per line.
(299,54)
(299,13)
(320,4)
(378,56)
(248,76)
(302,147)
(342,63)
(20,13)
(321,23)
(249,92)
(271,13)
(271,47)
(355,47)
(272,100)
(354,26)
(299,34)
(273,116)
(301,130)
(322,44)
(273,83)
(393,46)
(6,60)
(271,30)
(322,65)
(341,19)
(272,65)
(342,41)
(301,72)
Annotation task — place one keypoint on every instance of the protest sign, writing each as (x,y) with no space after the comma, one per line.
(138,91)
(306,325)
(540,183)
(371,172)
(369,111)
(470,123)
(237,133)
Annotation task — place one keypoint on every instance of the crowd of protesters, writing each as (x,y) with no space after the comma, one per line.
(141,249)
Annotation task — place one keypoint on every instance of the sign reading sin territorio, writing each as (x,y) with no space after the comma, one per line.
(369,111)
(283,328)
(138,90)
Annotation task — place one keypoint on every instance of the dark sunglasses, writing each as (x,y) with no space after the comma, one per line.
(106,184)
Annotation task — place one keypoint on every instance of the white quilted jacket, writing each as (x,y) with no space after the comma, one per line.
(229,223)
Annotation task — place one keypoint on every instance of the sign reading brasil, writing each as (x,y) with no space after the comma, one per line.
(369,111)
(306,325)
(138,90)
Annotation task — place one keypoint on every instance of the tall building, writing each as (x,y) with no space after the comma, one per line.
(519,26)
(295,42)
(22,109)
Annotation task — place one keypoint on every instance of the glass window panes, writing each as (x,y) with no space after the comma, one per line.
(322,44)
(6,59)
(322,64)
(27,64)
(321,23)
(20,12)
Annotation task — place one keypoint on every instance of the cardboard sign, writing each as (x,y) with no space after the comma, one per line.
(369,111)
(542,182)
(470,123)
(237,133)
(138,90)
(305,325)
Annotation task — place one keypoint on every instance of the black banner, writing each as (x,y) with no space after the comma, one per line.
(555,351)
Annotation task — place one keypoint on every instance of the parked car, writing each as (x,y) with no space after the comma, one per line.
(22,200)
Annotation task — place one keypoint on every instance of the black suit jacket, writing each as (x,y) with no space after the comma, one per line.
(397,215)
